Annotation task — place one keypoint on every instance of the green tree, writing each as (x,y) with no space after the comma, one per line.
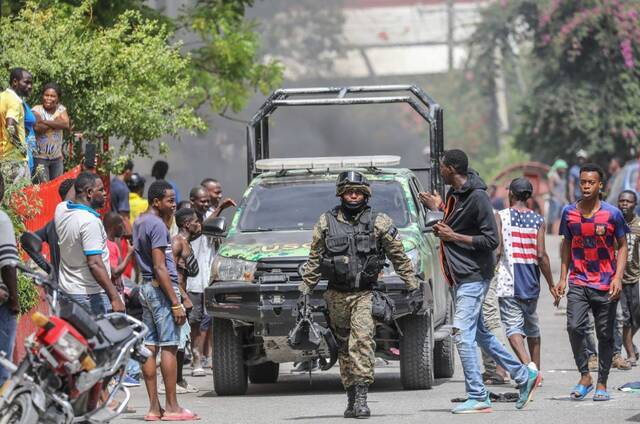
(226,65)
(19,204)
(584,85)
(122,72)
(126,81)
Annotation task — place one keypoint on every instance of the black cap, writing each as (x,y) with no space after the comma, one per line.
(520,185)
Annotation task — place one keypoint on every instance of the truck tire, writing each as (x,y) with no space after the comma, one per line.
(444,356)
(229,369)
(265,373)
(416,352)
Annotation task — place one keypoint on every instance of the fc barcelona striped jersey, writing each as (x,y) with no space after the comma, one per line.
(593,259)
(518,271)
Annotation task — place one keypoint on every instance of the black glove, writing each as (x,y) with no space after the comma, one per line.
(416,300)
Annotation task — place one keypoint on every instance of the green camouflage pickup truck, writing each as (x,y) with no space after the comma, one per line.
(257,270)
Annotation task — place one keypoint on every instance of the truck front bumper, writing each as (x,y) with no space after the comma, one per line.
(274,306)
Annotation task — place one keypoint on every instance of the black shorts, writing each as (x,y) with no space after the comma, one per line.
(630,300)
(198,315)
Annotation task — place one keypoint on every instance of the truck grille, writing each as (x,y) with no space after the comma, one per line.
(288,268)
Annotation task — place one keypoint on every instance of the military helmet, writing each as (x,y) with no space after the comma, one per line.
(352,180)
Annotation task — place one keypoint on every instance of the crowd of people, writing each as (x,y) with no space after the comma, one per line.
(163,237)
(32,141)
(146,256)
(599,276)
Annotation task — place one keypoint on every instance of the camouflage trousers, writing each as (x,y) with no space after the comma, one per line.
(354,329)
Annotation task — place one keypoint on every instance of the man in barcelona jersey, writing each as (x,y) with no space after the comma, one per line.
(594,256)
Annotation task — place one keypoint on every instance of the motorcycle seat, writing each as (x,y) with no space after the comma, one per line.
(112,334)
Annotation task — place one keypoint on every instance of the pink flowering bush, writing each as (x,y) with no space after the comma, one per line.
(583,86)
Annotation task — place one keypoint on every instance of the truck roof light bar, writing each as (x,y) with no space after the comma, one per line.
(322,163)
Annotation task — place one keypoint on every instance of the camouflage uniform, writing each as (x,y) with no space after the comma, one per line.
(350,312)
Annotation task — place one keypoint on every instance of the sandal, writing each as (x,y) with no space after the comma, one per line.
(581,391)
(494,380)
(185,415)
(601,396)
(150,417)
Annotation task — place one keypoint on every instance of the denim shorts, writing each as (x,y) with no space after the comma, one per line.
(95,304)
(519,316)
(157,316)
(199,315)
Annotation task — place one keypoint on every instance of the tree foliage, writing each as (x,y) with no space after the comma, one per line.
(306,35)
(126,81)
(584,90)
(226,65)
(20,204)
(123,74)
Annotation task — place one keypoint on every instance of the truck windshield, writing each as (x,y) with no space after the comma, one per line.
(297,206)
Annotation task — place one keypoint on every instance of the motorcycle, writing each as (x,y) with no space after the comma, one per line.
(75,363)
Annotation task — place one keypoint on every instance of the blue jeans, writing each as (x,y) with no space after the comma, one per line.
(7,336)
(470,331)
(96,304)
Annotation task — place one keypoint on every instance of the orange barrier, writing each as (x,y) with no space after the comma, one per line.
(48,196)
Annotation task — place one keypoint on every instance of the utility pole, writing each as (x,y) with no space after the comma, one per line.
(450,32)
(502,113)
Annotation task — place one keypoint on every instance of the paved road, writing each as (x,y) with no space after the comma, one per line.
(294,399)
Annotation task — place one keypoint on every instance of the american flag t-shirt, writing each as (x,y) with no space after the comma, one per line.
(518,270)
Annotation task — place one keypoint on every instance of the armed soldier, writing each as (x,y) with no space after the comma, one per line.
(349,246)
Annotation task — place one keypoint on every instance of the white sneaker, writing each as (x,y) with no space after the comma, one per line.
(179,389)
(187,387)
(199,372)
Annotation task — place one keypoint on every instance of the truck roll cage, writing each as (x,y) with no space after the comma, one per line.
(421,102)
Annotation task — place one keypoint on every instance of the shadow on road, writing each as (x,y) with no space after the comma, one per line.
(296,385)
(634,419)
(319,417)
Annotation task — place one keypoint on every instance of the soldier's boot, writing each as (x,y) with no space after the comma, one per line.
(351,400)
(360,407)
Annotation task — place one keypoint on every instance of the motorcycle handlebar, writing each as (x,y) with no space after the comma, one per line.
(25,269)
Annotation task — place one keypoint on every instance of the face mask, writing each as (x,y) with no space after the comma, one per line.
(353,208)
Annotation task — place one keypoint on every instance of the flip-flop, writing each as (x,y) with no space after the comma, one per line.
(185,415)
(581,390)
(601,396)
(150,417)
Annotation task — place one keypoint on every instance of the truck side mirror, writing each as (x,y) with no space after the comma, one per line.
(214,226)
(431,219)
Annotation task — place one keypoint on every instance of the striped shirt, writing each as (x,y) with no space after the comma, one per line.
(518,271)
(8,250)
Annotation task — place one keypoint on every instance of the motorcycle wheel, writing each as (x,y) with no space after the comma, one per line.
(20,411)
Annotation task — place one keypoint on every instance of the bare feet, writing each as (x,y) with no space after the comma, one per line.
(586,380)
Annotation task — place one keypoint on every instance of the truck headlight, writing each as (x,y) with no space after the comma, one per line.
(388,271)
(228,269)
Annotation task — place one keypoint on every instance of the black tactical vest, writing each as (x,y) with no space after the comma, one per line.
(353,258)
